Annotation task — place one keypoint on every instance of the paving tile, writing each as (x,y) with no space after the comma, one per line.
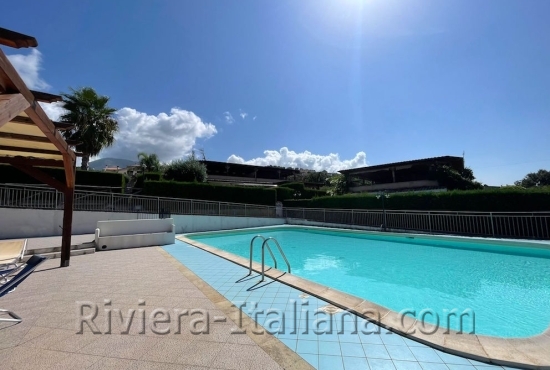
(425,354)
(353,363)
(307,346)
(379,364)
(461,367)
(400,353)
(330,362)
(329,348)
(452,359)
(352,350)
(313,360)
(433,366)
(406,365)
(376,351)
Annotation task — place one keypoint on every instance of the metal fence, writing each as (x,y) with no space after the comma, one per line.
(524,225)
(16,196)
(521,225)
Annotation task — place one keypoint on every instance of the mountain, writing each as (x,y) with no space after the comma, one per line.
(110,162)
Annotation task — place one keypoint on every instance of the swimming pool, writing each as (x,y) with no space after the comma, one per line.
(507,288)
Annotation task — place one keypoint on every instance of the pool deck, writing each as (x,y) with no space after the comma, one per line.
(48,336)
(117,280)
(525,353)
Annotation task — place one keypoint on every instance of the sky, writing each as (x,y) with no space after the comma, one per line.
(317,84)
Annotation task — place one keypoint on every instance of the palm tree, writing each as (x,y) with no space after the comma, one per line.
(94,125)
(149,162)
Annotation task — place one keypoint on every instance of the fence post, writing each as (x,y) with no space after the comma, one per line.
(324,215)
(191,207)
(219,209)
(303,213)
(112,202)
(352,216)
(56,200)
(158,205)
(245,210)
(430,221)
(492,224)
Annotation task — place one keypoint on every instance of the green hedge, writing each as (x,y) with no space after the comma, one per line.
(206,191)
(489,200)
(154,176)
(284,193)
(305,193)
(10,174)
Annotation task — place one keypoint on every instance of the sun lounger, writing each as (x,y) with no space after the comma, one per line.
(11,253)
(17,279)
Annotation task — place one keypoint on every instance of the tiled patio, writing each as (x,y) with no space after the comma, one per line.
(47,338)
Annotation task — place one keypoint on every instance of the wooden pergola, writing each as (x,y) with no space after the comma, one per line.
(29,139)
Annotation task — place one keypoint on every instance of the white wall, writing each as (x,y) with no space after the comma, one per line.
(29,223)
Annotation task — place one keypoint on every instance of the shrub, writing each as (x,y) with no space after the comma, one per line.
(12,175)
(489,200)
(186,170)
(205,191)
(155,176)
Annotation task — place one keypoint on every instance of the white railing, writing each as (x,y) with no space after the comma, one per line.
(524,225)
(29,196)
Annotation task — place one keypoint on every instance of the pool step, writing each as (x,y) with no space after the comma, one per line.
(55,252)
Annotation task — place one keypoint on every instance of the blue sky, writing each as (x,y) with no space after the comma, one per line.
(309,83)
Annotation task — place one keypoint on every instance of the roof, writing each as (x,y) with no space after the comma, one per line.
(27,136)
(432,160)
(221,168)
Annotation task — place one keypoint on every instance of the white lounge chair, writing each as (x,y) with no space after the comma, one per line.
(11,254)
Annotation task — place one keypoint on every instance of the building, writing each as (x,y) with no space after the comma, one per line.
(415,175)
(244,174)
(130,170)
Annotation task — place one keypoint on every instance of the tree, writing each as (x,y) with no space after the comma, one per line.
(187,170)
(94,125)
(149,162)
(338,185)
(454,180)
(539,178)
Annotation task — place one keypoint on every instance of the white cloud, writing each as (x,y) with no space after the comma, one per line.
(53,110)
(254,118)
(228,118)
(243,114)
(170,135)
(28,67)
(306,160)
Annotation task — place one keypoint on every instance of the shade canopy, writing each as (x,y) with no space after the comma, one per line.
(29,139)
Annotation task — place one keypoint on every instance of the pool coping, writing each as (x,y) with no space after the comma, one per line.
(530,353)
(277,350)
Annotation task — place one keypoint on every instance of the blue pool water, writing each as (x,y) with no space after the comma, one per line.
(508,288)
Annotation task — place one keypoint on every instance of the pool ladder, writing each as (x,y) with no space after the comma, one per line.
(265,245)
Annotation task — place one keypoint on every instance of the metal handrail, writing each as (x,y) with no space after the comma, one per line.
(251,253)
(280,251)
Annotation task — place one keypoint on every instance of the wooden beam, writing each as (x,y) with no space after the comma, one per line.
(16,40)
(10,106)
(41,176)
(46,97)
(26,161)
(29,150)
(23,137)
(10,81)
(62,126)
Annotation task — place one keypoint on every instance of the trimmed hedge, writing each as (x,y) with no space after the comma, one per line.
(214,192)
(305,193)
(154,176)
(284,193)
(489,200)
(10,174)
